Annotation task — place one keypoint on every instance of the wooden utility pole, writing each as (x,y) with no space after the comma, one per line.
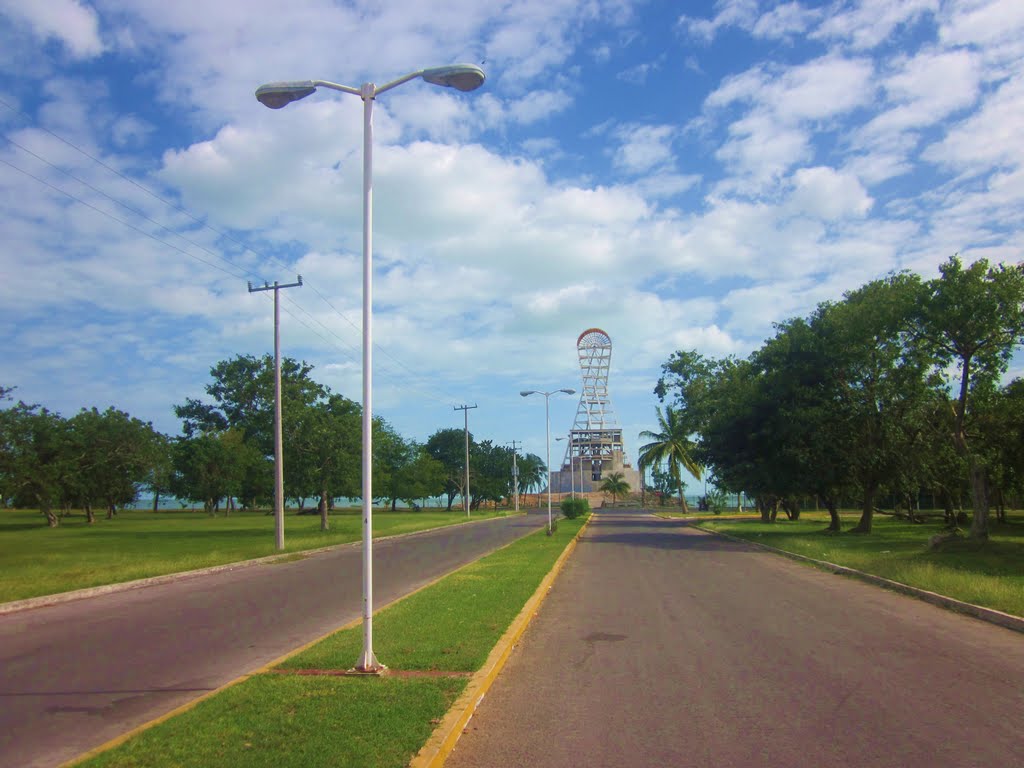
(278,458)
(465,491)
(515,475)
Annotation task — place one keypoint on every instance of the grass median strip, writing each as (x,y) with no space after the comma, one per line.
(989,575)
(301,714)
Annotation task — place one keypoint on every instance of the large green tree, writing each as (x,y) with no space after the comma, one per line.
(36,463)
(973,318)
(113,453)
(210,467)
(327,450)
(448,446)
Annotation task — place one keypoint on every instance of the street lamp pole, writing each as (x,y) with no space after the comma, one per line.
(547,429)
(463,77)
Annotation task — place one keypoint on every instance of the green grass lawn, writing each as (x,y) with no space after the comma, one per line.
(283,720)
(991,576)
(37,560)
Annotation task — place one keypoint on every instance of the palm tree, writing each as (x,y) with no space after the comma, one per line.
(614,485)
(532,472)
(671,445)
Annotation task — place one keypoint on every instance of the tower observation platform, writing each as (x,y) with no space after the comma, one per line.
(595,448)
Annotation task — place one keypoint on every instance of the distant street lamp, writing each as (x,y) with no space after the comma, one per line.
(462,77)
(547,427)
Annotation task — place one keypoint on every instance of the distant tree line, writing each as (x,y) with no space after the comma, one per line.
(224,456)
(894,390)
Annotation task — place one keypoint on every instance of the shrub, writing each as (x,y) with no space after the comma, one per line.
(573,508)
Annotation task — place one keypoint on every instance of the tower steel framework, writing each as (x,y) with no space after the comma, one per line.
(595,442)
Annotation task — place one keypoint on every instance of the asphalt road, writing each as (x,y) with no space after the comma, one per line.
(75,675)
(660,645)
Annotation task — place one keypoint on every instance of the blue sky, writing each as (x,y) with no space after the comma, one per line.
(681,175)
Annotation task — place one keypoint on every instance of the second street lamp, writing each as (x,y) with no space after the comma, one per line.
(462,77)
(547,427)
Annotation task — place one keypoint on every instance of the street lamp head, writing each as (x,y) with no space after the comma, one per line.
(281,94)
(527,392)
(461,77)
(568,391)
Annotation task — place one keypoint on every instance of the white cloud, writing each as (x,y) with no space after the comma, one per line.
(927,88)
(868,23)
(740,13)
(75,25)
(983,22)
(989,137)
(644,147)
(825,194)
(784,21)
(784,107)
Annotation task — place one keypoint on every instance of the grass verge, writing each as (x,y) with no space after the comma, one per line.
(138,544)
(281,719)
(991,575)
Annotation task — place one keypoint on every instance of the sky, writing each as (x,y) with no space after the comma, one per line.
(681,175)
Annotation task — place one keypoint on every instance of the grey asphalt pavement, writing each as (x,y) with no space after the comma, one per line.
(75,675)
(661,645)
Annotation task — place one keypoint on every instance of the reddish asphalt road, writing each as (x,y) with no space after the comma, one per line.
(660,645)
(76,675)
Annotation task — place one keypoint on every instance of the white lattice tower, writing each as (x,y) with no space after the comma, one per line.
(595,442)
(594,348)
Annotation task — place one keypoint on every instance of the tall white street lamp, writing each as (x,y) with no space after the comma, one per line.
(547,427)
(462,77)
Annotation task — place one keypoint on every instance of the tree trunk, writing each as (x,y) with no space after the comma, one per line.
(682,500)
(51,519)
(156,499)
(322,507)
(867,513)
(90,518)
(792,508)
(979,487)
(764,510)
(111,511)
(834,524)
(948,513)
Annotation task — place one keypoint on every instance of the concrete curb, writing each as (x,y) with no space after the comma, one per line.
(441,743)
(1006,620)
(42,601)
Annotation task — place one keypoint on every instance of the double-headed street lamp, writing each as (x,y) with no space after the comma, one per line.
(547,427)
(462,77)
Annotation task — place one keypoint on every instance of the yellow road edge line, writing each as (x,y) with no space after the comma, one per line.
(181,709)
(441,743)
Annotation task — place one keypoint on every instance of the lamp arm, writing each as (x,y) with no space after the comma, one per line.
(403,79)
(337,87)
